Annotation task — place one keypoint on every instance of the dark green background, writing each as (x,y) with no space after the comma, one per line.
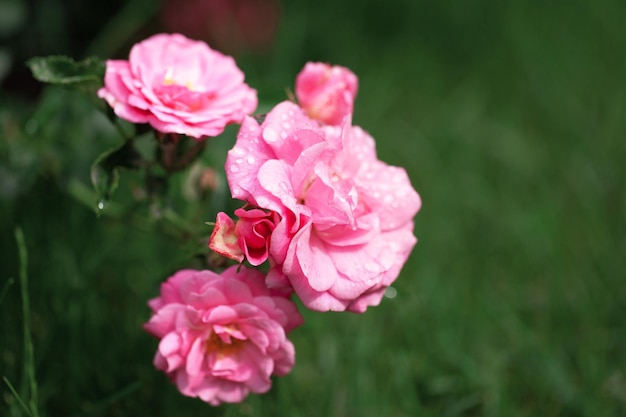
(510,117)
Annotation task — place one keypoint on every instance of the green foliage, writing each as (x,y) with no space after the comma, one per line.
(63,70)
(105,169)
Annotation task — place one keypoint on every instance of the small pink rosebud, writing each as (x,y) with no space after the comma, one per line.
(254,230)
(325,92)
(249,237)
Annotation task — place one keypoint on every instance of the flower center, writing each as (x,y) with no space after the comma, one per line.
(223,344)
(169,79)
(183,96)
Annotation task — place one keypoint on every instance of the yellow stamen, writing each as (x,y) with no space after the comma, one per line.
(215,344)
(169,77)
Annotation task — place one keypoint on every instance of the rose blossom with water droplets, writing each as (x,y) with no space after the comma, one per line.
(346,218)
(178,85)
(325,92)
(222,336)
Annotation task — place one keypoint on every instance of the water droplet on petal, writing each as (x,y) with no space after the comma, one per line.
(234,168)
(390,292)
(237,151)
(251,160)
(270,134)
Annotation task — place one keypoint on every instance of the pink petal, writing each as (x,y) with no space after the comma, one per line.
(221,314)
(195,358)
(316,265)
(224,238)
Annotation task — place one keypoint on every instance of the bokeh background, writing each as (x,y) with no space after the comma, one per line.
(510,117)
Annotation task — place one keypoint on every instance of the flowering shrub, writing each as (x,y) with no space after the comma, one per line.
(222,336)
(321,216)
(178,86)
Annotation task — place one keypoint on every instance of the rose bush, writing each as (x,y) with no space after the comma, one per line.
(178,85)
(222,336)
(346,218)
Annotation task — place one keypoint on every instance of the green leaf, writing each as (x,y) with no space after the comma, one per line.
(65,71)
(105,173)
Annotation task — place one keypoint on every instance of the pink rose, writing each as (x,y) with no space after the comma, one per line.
(249,237)
(254,229)
(178,86)
(222,336)
(346,218)
(326,93)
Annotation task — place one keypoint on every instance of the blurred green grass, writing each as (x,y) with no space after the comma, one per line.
(510,118)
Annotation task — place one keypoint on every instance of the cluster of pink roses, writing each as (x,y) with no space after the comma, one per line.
(332,221)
